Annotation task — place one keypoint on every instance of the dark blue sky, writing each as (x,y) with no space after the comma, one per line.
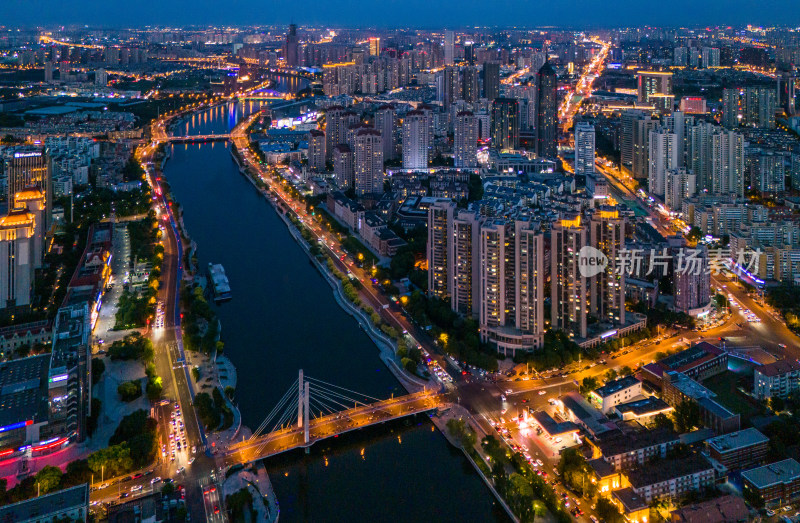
(394,13)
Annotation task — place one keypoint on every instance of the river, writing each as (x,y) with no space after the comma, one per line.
(283,317)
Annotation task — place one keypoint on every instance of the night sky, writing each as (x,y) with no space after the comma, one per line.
(397,13)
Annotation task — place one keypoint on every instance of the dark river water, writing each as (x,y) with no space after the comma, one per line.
(283,317)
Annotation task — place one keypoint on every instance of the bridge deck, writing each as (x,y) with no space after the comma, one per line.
(329,426)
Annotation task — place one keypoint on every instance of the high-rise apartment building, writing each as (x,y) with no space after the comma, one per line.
(505,123)
(547,112)
(386,123)
(641,148)
(316,150)
(343,166)
(491,80)
(727,163)
(569,294)
(470,86)
(663,157)
(607,289)
(368,167)
(750,106)
(451,87)
(627,127)
(465,150)
(465,255)
(374,46)
(692,280)
(584,148)
(710,57)
(416,139)
(338,120)
(440,263)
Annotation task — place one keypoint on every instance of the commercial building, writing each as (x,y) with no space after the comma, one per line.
(698,362)
(584,148)
(742,449)
(615,392)
(776,380)
(18,254)
(642,410)
(651,83)
(776,483)
(70,504)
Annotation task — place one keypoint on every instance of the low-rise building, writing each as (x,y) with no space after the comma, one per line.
(626,451)
(739,450)
(605,476)
(580,412)
(643,410)
(698,362)
(776,380)
(633,506)
(615,392)
(672,478)
(725,509)
(70,504)
(677,387)
(776,483)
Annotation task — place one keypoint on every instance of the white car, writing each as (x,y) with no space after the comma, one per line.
(542,392)
(136,488)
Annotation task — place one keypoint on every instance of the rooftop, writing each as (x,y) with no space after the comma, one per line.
(630,500)
(773,474)
(38,508)
(668,469)
(691,357)
(553,427)
(622,443)
(615,386)
(778,368)
(644,407)
(725,509)
(23,390)
(737,440)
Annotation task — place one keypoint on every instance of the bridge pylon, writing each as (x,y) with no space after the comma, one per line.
(300,401)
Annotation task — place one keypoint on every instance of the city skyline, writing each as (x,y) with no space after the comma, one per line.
(411,14)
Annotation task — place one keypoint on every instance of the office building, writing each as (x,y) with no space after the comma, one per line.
(368,162)
(416,139)
(290,47)
(386,123)
(374,46)
(584,149)
(743,449)
(27,167)
(777,483)
(491,80)
(693,105)
(777,379)
(18,254)
(652,83)
(628,121)
(505,123)
(568,287)
(449,47)
(316,150)
(547,112)
(465,146)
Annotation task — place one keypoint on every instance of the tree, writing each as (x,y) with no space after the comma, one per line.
(661,420)
(625,371)
(694,234)
(154,388)
(588,384)
(129,390)
(611,375)
(777,404)
(98,367)
(196,373)
(608,512)
(48,479)
(686,416)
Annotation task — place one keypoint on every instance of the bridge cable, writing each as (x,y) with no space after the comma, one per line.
(293,390)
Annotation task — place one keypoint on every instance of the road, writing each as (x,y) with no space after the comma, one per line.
(332,425)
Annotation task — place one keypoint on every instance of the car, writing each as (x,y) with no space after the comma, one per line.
(216,509)
(124,495)
(539,462)
(136,488)
(508,391)
(594,519)
(169,480)
(181,470)
(770,512)
(155,480)
(542,392)
(558,440)
(137,475)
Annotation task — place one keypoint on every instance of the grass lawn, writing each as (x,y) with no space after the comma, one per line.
(724,385)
